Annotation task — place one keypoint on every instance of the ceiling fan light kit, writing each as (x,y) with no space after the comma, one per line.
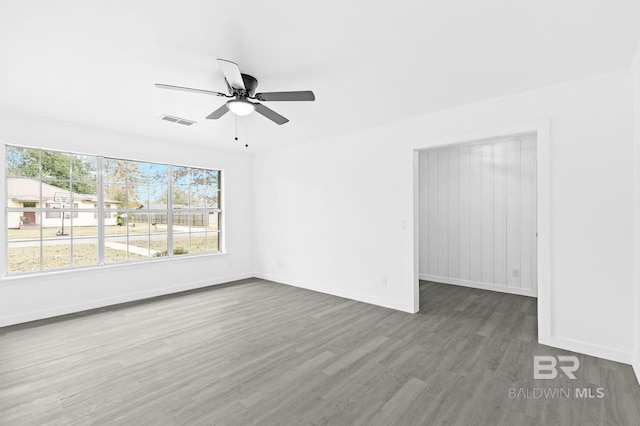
(240,106)
(242,87)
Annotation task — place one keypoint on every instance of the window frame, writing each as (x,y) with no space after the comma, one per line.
(103,209)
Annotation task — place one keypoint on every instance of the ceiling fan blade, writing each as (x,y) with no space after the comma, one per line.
(218,113)
(232,73)
(270,114)
(305,95)
(189,89)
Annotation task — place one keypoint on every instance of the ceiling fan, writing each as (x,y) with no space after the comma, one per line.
(242,88)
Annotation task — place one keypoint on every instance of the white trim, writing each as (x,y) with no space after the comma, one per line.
(360,297)
(588,349)
(479,285)
(100,303)
(414,269)
(636,368)
(542,131)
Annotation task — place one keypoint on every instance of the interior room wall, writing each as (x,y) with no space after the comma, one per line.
(478,215)
(336,215)
(40,296)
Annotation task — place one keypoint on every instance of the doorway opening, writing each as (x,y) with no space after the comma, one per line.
(478,215)
(472,234)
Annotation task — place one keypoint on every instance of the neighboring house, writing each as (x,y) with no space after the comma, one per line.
(25,193)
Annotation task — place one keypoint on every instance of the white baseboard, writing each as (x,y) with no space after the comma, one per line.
(100,303)
(479,285)
(589,349)
(360,297)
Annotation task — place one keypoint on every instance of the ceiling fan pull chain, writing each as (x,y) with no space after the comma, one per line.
(236,127)
(246,131)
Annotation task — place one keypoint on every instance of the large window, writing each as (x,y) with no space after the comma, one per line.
(67,210)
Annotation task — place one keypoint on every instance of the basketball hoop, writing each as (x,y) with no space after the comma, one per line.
(65,199)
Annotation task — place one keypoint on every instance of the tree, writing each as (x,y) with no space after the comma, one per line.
(70,172)
(122,179)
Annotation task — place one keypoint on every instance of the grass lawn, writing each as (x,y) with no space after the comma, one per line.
(88,231)
(55,256)
(200,243)
(80,231)
(25,259)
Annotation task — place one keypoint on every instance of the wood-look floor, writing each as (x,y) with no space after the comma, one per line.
(262,353)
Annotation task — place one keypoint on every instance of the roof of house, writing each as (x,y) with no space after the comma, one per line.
(26,189)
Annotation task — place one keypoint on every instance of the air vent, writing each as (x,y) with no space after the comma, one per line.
(178,120)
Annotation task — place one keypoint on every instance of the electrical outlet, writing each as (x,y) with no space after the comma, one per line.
(515,272)
(281,264)
(384,281)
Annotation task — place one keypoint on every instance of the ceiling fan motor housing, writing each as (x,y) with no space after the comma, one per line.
(250,84)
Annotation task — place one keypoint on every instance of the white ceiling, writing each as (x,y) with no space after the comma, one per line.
(368,62)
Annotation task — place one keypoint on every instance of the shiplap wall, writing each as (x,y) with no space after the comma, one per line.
(478,215)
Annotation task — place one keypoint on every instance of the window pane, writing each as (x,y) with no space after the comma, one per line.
(83,230)
(55,165)
(158,221)
(180,244)
(85,188)
(157,197)
(198,197)
(197,177)
(115,193)
(23,162)
(212,200)
(24,256)
(83,168)
(56,191)
(115,249)
(180,197)
(181,221)
(198,221)
(86,217)
(114,170)
(110,215)
(119,225)
(158,174)
(139,197)
(212,178)
(25,220)
(56,253)
(213,241)
(137,173)
(85,251)
(138,222)
(158,245)
(138,246)
(180,176)
(213,221)
(198,242)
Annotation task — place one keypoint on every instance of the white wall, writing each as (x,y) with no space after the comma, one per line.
(337,215)
(39,296)
(478,215)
